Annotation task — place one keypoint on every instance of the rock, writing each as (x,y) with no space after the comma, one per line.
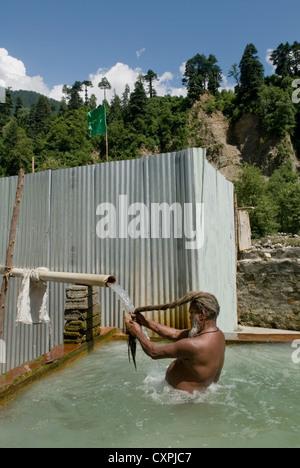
(82,314)
(268,288)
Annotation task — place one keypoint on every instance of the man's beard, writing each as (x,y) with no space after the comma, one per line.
(196,329)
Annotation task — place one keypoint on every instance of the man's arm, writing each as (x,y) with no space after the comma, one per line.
(163,331)
(181,349)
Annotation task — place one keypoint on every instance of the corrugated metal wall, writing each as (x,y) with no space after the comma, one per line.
(58,229)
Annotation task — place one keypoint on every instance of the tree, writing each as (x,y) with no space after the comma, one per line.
(104,84)
(137,105)
(18,149)
(43,113)
(276,110)
(63,107)
(214,74)
(92,102)
(150,77)
(286,59)
(235,73)
(296,58)
(67,142)
(126,96)
(251,79)
(282,60)
(284,188)
(19,106)
(251,189)
(87,84)
(6,108)
(73,95)
(201,74)
(116,110)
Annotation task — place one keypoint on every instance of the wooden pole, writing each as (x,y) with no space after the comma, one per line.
(10,250)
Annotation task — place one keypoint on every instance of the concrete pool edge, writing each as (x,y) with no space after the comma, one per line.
(255,335)
(21,377)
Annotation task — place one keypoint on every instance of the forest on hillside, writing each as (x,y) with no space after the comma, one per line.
(141,123)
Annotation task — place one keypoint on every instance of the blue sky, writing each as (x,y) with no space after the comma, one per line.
(45,44)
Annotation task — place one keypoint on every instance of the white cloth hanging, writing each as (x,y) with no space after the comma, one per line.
(32,299)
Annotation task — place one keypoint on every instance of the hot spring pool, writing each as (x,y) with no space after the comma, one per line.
(101,401)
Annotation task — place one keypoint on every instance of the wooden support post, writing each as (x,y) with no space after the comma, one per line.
(10,250)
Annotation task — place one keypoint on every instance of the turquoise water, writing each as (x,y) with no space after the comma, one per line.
(101,401)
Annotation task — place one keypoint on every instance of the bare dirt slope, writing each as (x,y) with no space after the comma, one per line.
(228,146)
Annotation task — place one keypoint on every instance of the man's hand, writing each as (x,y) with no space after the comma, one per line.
(132,327)
(139,318)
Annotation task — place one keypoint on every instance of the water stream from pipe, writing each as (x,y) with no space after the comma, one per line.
(123,296)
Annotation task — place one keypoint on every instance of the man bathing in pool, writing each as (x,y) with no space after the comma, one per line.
(199,352)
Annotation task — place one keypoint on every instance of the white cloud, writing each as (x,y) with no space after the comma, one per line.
(121,74)
(140,52)
(56,92)
(118,76)
(164,86)
(167,76)
(182,68)
(226,85)
(269,61)
(13,74)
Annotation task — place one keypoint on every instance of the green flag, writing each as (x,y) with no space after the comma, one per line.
(97,121)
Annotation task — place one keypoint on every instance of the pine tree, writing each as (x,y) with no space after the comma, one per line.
(137,104)
(126,96)
(251,79)
(202,74)
(214,74)
(6,108)
(43,113)
(87,84)
(150,78)
(19,106)
(18,148)
(104,84)
(286,59)
(282,60)
(73,95)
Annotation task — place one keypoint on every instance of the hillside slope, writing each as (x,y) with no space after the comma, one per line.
(229,145)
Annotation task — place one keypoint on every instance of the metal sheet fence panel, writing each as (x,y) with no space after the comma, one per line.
(61,227)
(216,263)
(72,233)
(150,269)
(25,342)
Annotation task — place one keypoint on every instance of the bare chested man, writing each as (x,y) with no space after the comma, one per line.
(199,351)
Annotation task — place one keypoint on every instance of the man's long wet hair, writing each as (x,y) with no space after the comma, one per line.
(200,300)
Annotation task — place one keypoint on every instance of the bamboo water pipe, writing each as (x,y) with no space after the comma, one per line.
(69,278)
